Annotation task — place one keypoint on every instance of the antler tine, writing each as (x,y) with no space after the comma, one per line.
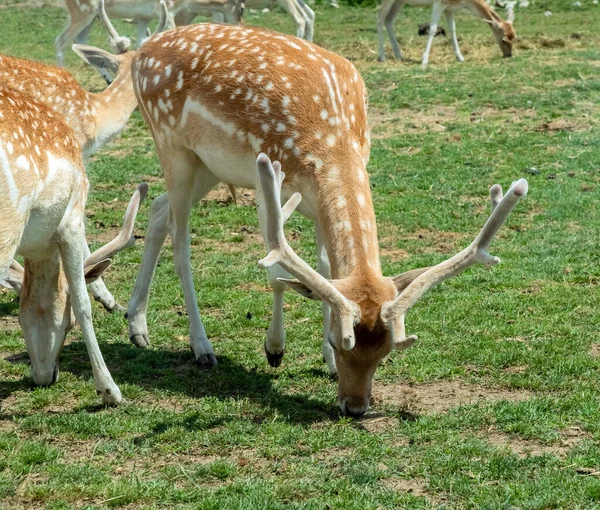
(119,43)
(14,279)
(270,178)
(163,17)
(495,195)
(124,238)
(475,252)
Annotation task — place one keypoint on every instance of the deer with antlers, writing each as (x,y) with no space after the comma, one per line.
(43,190)
(232,94)
(504,31)
(82,13)
(94,118)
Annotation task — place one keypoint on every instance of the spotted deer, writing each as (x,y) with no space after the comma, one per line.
(82,13)
(504,31)
(43,191)
(231,94)
(94,118)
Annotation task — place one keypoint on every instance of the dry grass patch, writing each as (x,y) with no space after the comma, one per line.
(221,194)
(441,396)
(595,350)
(386,124)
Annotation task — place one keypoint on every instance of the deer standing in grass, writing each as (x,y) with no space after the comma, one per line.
(94,118)
(43,191)
(504,31)
(229,94)
(82,13)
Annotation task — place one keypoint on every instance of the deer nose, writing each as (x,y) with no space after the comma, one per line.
(353,410)
(45,378)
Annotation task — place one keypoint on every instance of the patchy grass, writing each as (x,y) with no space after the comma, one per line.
(496,407)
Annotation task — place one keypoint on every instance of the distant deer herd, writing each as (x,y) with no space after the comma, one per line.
(223,103)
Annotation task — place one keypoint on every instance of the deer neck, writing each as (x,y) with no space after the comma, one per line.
(347,221)
(113,106)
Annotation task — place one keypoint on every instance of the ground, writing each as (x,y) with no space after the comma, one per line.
(497,406)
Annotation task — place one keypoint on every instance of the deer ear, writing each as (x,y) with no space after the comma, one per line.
(98,58)
(93,272)
(300,288)
(403,280)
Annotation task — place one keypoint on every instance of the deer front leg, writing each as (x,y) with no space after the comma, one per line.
(275,341)
(452,28)
(142,31)
(387,15)
(436,12)
(324,269)
(71,252)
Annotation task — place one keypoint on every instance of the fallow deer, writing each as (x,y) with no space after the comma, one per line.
(82,13)
(231,93)
(94,118)
(43,191)
(504,31)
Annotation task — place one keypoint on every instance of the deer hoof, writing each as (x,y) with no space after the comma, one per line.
(207,360)
(274,359)
(140,340)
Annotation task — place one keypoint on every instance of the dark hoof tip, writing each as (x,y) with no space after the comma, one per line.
(140,340)
(207,361)
(274,359)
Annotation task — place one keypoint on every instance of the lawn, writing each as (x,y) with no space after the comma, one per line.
(497,406)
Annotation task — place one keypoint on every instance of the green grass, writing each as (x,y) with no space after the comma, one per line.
(514,346)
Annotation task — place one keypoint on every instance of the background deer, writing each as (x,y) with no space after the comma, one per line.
(503,30)
(43,190)
(94,118)
(230,93)
(82,13)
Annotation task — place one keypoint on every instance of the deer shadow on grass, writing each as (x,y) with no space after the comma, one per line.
(164,369)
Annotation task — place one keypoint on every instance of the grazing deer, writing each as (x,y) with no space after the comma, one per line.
(43,191)
(82,13)
(504,31)
(94,118)
(231,93)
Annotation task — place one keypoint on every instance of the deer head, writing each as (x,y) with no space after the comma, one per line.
(368,311)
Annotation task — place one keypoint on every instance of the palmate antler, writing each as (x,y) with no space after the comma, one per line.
(394,311)
(270,179)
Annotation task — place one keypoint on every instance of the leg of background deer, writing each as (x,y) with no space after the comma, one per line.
(218,17)
(293,10)
(275,341)
(181,175)
(69,34)
(325,269)
(387,15)
(84,36)
(71,252)
(309,15)
(99,290)
(142,31)
(436,12)
(452,29)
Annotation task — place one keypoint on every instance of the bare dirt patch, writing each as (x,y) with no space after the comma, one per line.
(413,486)
(594,350)
(386,124)
(441,396)
(559,125)
(376,424)
(222,194)
(570,438)
(438,241)
(9,323)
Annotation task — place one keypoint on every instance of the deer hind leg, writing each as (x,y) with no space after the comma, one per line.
(387,15)
(436,11)
(72,255)
(142,31)
(84,36)
(67,36)
(452,29)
